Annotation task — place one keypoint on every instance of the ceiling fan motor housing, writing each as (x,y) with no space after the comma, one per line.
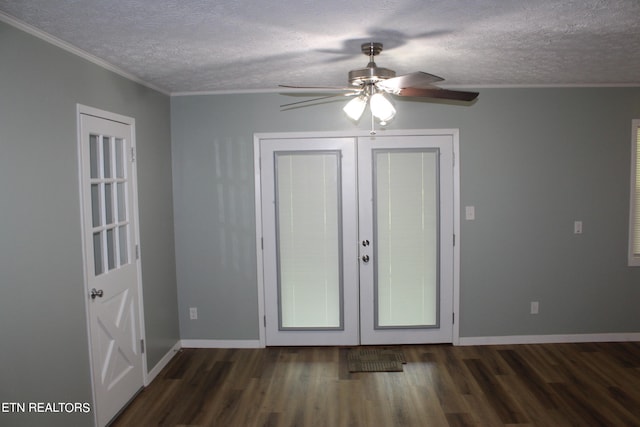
(372,74)
(369,75)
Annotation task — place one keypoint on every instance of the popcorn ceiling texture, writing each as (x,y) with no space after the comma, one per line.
(206,45)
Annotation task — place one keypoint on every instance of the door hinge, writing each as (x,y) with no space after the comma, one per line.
(264,319)
(137,251)
(142,345)
(262,243)
(133,154)
(453,315)
(454,240)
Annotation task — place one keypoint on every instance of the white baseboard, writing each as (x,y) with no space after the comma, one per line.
(153,373)
(550,339)
(221,344)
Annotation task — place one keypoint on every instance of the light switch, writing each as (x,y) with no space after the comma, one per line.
(535,307)
(470,213)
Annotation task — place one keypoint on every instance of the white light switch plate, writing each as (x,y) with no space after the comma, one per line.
(535,307)
(470,213)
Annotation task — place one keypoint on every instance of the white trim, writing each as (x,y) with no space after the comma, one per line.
(221,344)
(541,86)
(465,86)
(96,112)
(36,32)
(260,264)
(633,260)
(456,232)
(85,274)
(551,339)
(243,91)
(153,373)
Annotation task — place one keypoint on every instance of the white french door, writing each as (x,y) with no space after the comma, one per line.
(357,238)
(406,236)
(107,182)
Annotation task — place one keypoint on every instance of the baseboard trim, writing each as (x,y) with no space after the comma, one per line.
(221,344)
(550,339)
(153,373)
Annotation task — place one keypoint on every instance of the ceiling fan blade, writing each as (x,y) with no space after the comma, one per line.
(317,99)
(419,79)
(438,93)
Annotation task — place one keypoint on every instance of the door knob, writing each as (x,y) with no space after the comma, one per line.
(365,258)
(95,293)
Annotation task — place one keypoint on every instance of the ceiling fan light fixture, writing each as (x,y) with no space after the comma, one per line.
(382,108)
(355,108)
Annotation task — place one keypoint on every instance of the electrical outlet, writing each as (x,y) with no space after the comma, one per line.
(577,227)
(193,313)
(534,307)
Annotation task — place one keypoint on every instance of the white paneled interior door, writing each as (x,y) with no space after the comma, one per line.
(357,238)
(111,264)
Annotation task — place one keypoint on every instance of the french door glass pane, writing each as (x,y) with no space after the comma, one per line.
(123,239)
(108,203)
(111,249)
(94,149)
(308,240)
(97,253)
(106,145)
(122,207)
(406,216)
(119,143)
(95,205)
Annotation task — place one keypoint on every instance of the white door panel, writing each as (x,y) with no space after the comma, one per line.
(406,212)
(309,232)
(108,191)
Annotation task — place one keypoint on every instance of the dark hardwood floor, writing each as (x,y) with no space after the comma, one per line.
(593,384)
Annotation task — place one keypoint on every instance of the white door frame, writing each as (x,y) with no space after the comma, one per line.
(86,110)
(454,133)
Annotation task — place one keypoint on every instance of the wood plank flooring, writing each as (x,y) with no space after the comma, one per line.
(592,384)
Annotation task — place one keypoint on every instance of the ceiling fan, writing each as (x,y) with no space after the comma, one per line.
(371,85)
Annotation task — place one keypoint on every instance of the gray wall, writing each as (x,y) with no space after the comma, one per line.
(532,162)
(43,329)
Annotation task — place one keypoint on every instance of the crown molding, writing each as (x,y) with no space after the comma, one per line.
(30,29)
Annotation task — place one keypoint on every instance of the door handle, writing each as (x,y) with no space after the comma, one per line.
(94,293)
(365,258)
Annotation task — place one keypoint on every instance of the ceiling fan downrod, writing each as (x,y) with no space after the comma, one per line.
(372,73)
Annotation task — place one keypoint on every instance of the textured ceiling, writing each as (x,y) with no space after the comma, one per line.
(207,45)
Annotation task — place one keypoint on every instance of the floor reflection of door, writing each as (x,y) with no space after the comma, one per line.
(358,239)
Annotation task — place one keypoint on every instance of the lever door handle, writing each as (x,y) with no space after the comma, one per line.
(96,293)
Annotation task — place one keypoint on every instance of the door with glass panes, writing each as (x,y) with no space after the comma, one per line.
(107,183)
(358,239)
